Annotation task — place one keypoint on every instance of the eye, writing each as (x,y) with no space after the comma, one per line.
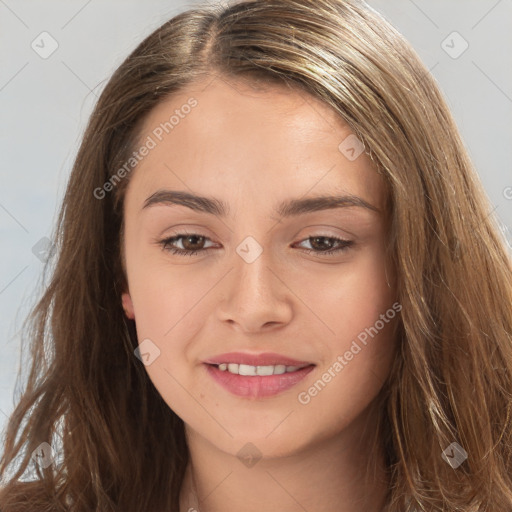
(193,243)
(329,248)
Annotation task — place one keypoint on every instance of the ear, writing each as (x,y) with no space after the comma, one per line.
(128,306)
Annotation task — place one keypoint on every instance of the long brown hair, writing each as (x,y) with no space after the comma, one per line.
(120,447)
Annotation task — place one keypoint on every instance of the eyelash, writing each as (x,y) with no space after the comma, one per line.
(343,245)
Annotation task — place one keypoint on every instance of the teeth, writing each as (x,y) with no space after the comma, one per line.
(232,368)
(248,370)
(245,369)
(279,369)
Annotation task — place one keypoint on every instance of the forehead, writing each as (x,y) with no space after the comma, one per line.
(243,138)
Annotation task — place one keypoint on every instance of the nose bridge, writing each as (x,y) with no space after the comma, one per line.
(255,296)
(253,268)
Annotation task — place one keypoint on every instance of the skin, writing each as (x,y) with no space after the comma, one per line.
(253,148)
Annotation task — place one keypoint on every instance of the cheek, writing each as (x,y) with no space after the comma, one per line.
(163,300)
(361,311)
(345,388)
(163,294)
(353,298)
(359,355)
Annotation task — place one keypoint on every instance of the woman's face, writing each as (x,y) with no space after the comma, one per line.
(235,174)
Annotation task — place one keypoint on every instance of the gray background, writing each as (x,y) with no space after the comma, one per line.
(45,103)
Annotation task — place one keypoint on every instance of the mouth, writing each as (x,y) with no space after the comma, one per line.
(247,370)
(257,376)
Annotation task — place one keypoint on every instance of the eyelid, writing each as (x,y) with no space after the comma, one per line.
(185,231)
(341,244)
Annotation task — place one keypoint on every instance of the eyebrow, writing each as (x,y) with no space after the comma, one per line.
(289,208)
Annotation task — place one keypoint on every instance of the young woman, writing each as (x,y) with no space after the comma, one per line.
(277,285)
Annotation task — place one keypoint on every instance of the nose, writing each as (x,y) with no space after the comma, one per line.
(256,295)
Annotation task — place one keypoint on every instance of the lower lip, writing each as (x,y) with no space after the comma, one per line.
(257,386)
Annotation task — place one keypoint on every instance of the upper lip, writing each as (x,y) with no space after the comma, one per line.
(264,359)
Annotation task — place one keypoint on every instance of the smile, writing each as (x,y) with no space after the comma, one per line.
(257,381)
(249,371)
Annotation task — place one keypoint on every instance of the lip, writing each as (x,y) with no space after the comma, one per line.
(264,359)
(257,386)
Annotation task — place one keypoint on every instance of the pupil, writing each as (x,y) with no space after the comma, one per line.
(325,245)
(188,238)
